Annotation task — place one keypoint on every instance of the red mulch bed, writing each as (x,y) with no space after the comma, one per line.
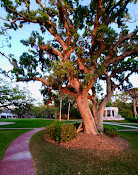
(96,142)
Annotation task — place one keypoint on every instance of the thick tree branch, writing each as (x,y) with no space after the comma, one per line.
(98,14)
(121,40)
(67,91)
(51,50)
(43,80)
(116,86)
(69,52)
(110,60)
(74,83)
(111,18)
(62,13)
(81,66)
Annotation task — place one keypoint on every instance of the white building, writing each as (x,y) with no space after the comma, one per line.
(7,114)
(111,113)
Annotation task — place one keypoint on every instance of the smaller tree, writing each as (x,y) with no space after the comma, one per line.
(15,99)
(123,101)
(51,98)
(43,112)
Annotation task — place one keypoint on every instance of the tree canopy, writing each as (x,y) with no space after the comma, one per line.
(78,44)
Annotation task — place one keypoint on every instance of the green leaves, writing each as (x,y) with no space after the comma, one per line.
(73,26)
(13,97)
(62,70)
(34,40)
(88,77)
(108,34)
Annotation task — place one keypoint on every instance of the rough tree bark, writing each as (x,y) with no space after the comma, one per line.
(98,109)
(83,105)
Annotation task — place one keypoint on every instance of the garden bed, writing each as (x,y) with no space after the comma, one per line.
(98,142)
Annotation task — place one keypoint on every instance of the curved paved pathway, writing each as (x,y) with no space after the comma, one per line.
(17,159)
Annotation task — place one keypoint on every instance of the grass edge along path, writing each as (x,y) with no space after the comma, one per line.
(50,159)
(6,138)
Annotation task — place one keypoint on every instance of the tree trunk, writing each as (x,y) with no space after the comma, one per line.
(56,113)
(60,110)
(102,105)
(86,114)
(134,107)
(68,111)
(94,110)
(98,111)
(100,114)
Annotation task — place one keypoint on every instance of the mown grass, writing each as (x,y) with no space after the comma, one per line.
(133,124)
(6,137)
(53,159)
(120,121)
(118,127)
(26,123)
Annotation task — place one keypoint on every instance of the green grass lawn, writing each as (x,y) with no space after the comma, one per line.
(53,159)
(130,124)
(120,121)
(27,123)
(6,137)
(118,127)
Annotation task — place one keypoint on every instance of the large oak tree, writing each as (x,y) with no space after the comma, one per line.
(82,47)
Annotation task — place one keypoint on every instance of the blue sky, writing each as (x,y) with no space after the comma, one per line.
(17,48)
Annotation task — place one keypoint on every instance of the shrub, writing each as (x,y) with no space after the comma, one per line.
(68,132)
(126,113)
(61,133)
(132,119)
(50,132)
(125,109)
(110,130)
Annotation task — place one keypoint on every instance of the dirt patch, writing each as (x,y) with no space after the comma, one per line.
(96,142)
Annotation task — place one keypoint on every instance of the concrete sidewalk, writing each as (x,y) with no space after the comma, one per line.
(17,159)
(127,130)
(120,124)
